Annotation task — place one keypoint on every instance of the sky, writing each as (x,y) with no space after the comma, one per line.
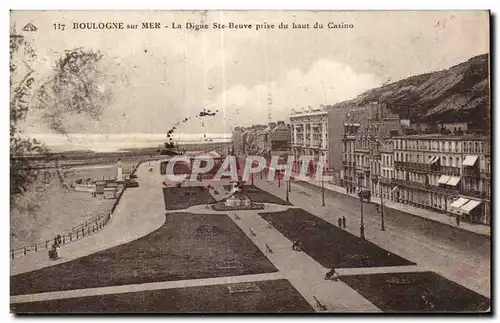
(158,77)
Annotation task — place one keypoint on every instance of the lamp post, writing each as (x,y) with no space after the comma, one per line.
(362,224)
(382,207)
(287,194)
(322,190)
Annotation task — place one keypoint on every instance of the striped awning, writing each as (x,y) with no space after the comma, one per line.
(469,206)
(453,181)
(443,179)
(433,160)
(470,160)
(459,202)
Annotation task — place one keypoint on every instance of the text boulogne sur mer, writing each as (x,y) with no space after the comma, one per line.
(214,25)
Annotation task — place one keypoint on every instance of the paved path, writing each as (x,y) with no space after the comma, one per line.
(141,210)
(467,269)
(143,287)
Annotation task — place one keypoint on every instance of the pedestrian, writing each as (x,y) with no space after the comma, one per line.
(58,251)
(294,245)
(59,240)
(300,246)
(332,274)
(457,218)
(344,222)
(340,222)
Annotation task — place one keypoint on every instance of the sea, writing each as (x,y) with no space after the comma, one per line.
(120,142)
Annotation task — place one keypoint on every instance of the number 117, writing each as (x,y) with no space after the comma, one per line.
(59,26)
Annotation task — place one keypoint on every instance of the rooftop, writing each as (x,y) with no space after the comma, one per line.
(442,137)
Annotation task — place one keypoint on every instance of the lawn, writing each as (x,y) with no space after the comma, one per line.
(187,246)
(178,198)
(268,297)
(256,194)
(422,292)
(328,244)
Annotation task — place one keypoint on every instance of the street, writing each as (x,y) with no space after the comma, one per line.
(455,262)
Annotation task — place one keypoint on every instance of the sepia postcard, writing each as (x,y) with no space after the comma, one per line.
(250,162)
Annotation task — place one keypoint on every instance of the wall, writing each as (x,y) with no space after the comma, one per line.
(336,118)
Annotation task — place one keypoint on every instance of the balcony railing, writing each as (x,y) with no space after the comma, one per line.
(473,193)
(450,170)
(401,182)
(385,180)
(420,167)
(432,188)
(471,172)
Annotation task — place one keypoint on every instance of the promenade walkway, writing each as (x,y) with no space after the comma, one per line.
(427,214)
(140,211)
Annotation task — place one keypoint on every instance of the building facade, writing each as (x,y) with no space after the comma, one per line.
(387,168)
(309,136)
(364,150)
(443,173)
(262,140)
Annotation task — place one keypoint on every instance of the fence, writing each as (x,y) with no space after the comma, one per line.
(89,227)
(80,231)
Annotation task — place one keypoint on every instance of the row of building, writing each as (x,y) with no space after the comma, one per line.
(444,168)
(262,140)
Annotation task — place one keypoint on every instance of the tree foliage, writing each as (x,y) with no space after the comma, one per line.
(74,86)
(21,82)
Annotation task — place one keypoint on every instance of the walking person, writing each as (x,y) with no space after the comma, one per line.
(344,222)
(339,222)
(457,218)
(332,275)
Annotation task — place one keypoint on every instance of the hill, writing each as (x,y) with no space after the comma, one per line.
(460,93)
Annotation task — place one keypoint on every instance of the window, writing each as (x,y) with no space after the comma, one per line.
(476,146)
(458,161)
(451,161)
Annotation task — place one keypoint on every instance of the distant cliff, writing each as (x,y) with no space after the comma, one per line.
(460,93)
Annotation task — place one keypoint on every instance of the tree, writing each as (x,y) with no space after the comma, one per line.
(74,86)
(21,83)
